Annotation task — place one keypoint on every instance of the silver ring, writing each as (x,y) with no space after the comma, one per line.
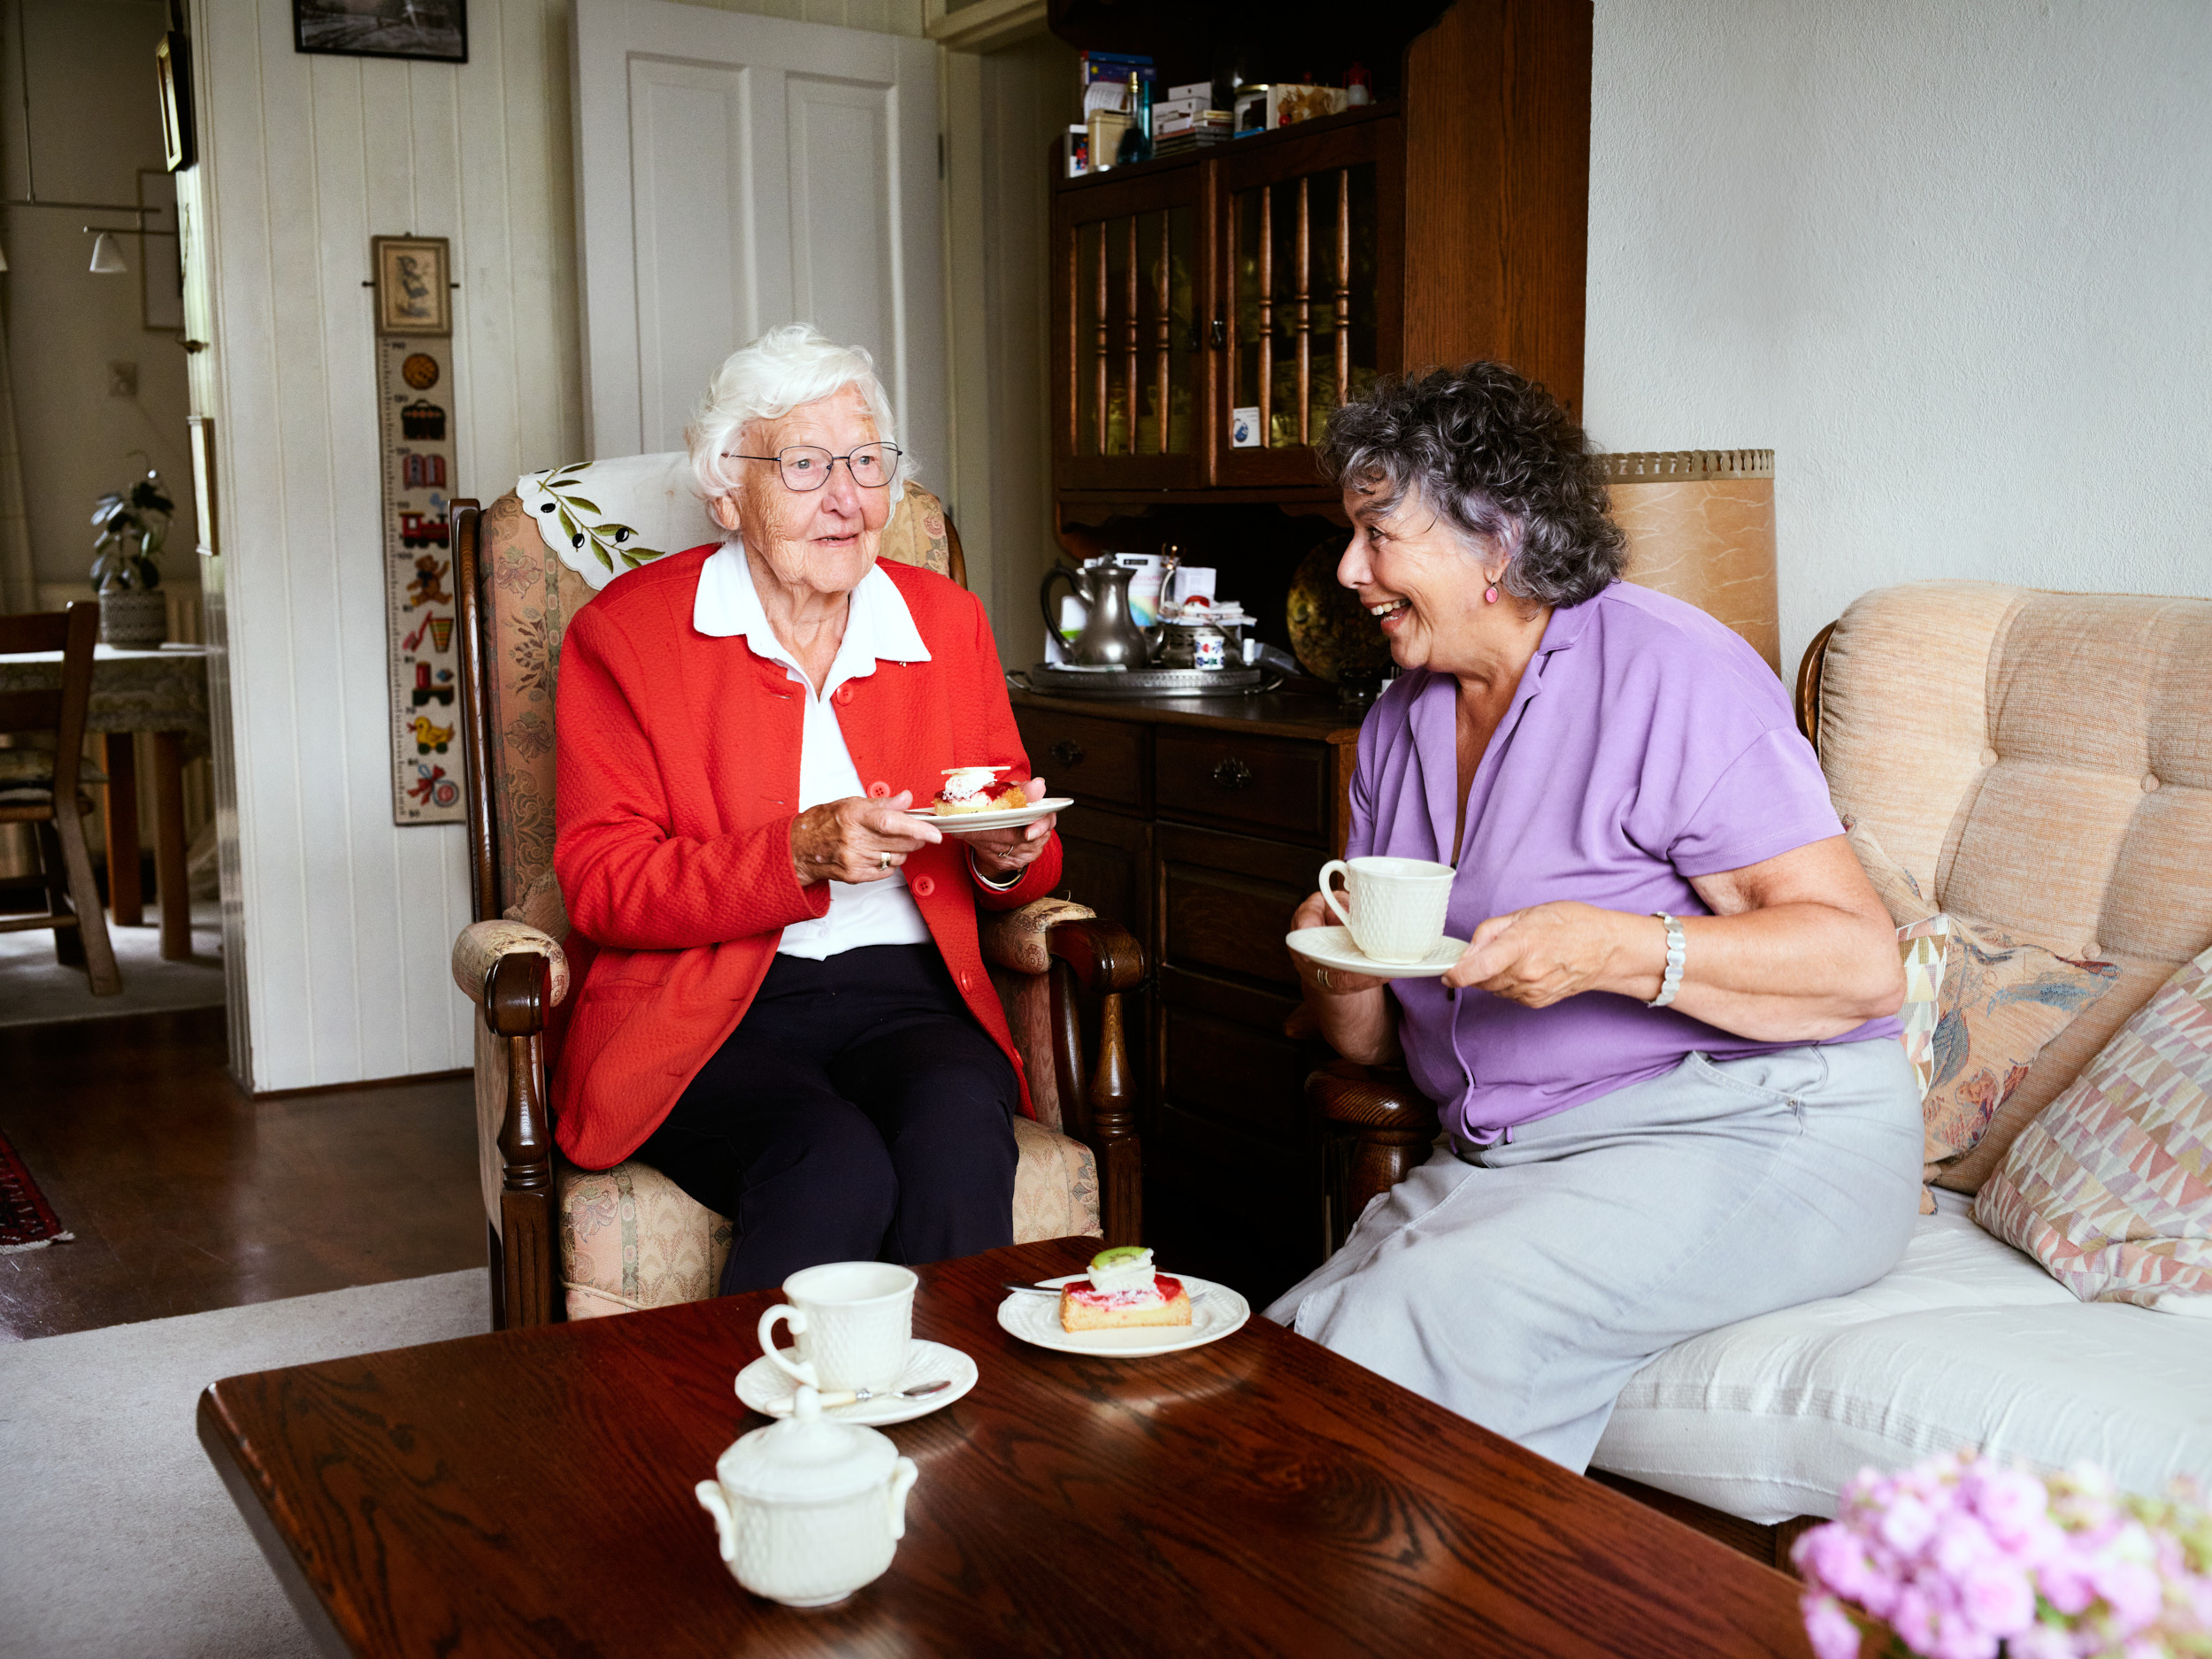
(886,864)
(1321,978)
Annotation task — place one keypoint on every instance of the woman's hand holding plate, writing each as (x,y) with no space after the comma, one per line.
(856,838)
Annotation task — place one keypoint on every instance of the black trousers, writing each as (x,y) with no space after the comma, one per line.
(857,1113)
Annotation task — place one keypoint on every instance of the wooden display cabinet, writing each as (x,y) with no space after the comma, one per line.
(1282,272)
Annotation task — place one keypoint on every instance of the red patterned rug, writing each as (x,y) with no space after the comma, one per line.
(26,1220)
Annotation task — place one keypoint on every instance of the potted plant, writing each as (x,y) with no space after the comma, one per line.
(126,568)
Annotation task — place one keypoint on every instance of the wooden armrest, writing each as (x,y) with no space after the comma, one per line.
(1105,955)
(482,946)
(1370,1097)
(1391,1126)
(517,993)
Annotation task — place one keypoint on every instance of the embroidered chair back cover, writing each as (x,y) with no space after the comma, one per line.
(548,548)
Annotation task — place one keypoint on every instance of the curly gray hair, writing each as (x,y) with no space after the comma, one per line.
(1499,460)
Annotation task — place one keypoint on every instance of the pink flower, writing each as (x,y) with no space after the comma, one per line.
(2133,1590)
(2041,1642)
(1830,1628)
(1905,1526)
(1960,1545)
(2010,1503)
(1958,1638)
(1998,1598)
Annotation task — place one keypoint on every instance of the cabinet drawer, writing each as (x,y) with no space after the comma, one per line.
(1090,759)
(1225,903)
(1254,783)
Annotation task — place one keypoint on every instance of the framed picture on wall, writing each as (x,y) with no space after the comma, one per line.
(414,294)
(433,30)
(172,72)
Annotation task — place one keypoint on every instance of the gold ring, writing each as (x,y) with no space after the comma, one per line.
(1321,978)
(886,864)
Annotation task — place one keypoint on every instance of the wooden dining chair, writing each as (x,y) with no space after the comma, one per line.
(41,784)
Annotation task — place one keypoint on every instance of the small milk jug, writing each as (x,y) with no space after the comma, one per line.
(808,1510)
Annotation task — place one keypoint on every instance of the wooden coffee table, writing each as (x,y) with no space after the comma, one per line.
(531,1493)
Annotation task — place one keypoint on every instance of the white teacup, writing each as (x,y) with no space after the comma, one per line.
(1397,910)
(854,1321)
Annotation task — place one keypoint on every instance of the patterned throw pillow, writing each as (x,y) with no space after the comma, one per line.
(2110,1187)
(1924,945)
(2001,1000)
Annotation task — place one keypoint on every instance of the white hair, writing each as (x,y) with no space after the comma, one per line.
(768,379)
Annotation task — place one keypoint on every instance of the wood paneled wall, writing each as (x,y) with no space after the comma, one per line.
(343,921)
(346,920)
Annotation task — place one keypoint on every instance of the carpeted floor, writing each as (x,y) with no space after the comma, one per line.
(117,1539)
(35,989)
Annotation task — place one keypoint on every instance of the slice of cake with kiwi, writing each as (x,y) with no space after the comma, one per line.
(1123,1292)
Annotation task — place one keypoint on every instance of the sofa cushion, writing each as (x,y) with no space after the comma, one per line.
(1966,1343)
(1997,1002)
(2041,762)
(2111,1188)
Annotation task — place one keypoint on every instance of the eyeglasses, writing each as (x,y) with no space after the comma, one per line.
(804,467)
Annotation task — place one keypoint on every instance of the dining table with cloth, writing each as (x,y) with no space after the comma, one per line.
(162,691)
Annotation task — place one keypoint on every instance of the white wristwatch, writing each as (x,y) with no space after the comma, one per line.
(1677,948)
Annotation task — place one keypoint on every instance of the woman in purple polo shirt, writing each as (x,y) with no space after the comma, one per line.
(1638,1152)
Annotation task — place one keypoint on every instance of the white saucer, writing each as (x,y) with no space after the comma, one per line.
(768,1389)
(1216,1310)
(1006,818)
(1332,947)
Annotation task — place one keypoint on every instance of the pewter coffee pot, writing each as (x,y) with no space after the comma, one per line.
(1110,636)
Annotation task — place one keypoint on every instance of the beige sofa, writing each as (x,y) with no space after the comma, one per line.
(2042,761)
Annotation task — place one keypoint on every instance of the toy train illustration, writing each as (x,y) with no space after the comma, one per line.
(415,530)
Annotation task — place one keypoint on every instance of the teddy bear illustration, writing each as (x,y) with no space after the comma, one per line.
(428,588)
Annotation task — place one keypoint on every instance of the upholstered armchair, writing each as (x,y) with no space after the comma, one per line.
(627,1238)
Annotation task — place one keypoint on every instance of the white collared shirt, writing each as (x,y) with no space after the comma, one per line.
(879,627)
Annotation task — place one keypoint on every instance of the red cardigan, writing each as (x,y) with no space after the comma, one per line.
(678,774)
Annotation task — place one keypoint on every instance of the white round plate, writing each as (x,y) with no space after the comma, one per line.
(1332,947)
(1006,818)
(1215,1311)
(768,1389)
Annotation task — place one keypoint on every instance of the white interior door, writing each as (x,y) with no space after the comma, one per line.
(734,172)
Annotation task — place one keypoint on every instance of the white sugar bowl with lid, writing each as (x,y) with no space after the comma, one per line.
(808,1510)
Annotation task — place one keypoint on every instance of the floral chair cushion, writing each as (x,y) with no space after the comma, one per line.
(630,1238)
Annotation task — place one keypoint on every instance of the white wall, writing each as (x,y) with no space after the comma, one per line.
(344,920)
(1004,110)
(1951,261)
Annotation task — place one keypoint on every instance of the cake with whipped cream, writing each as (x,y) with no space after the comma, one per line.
(977,790)
(1123,1291)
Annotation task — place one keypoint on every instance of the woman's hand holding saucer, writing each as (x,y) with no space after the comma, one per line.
(1001,852)
(1314,912)
(856,838)
(1543,955)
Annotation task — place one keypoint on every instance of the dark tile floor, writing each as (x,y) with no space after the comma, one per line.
(185,1193)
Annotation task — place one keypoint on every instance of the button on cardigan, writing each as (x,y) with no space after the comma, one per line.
(678,781)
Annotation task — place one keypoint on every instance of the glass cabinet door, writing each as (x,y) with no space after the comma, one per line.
(1313,292)
(1132,399)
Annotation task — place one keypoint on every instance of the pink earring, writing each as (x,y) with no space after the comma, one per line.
(1490,595)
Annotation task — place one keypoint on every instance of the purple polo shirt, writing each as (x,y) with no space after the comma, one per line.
(1645,745)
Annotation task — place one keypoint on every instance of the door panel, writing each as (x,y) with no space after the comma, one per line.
(735,173)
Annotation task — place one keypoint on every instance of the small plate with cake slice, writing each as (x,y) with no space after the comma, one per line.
(1123,1308)
(973,798)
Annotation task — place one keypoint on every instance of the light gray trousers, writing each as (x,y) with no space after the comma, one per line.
(1522,1285)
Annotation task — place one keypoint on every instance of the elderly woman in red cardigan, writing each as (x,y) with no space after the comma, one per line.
(785,1010)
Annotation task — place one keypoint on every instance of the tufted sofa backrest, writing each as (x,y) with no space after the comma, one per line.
(2041,761)
(529,594)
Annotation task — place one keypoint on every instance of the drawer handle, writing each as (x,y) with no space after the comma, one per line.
(1066,752)
(1232,774)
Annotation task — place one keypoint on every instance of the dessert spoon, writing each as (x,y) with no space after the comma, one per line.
(852,1396)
